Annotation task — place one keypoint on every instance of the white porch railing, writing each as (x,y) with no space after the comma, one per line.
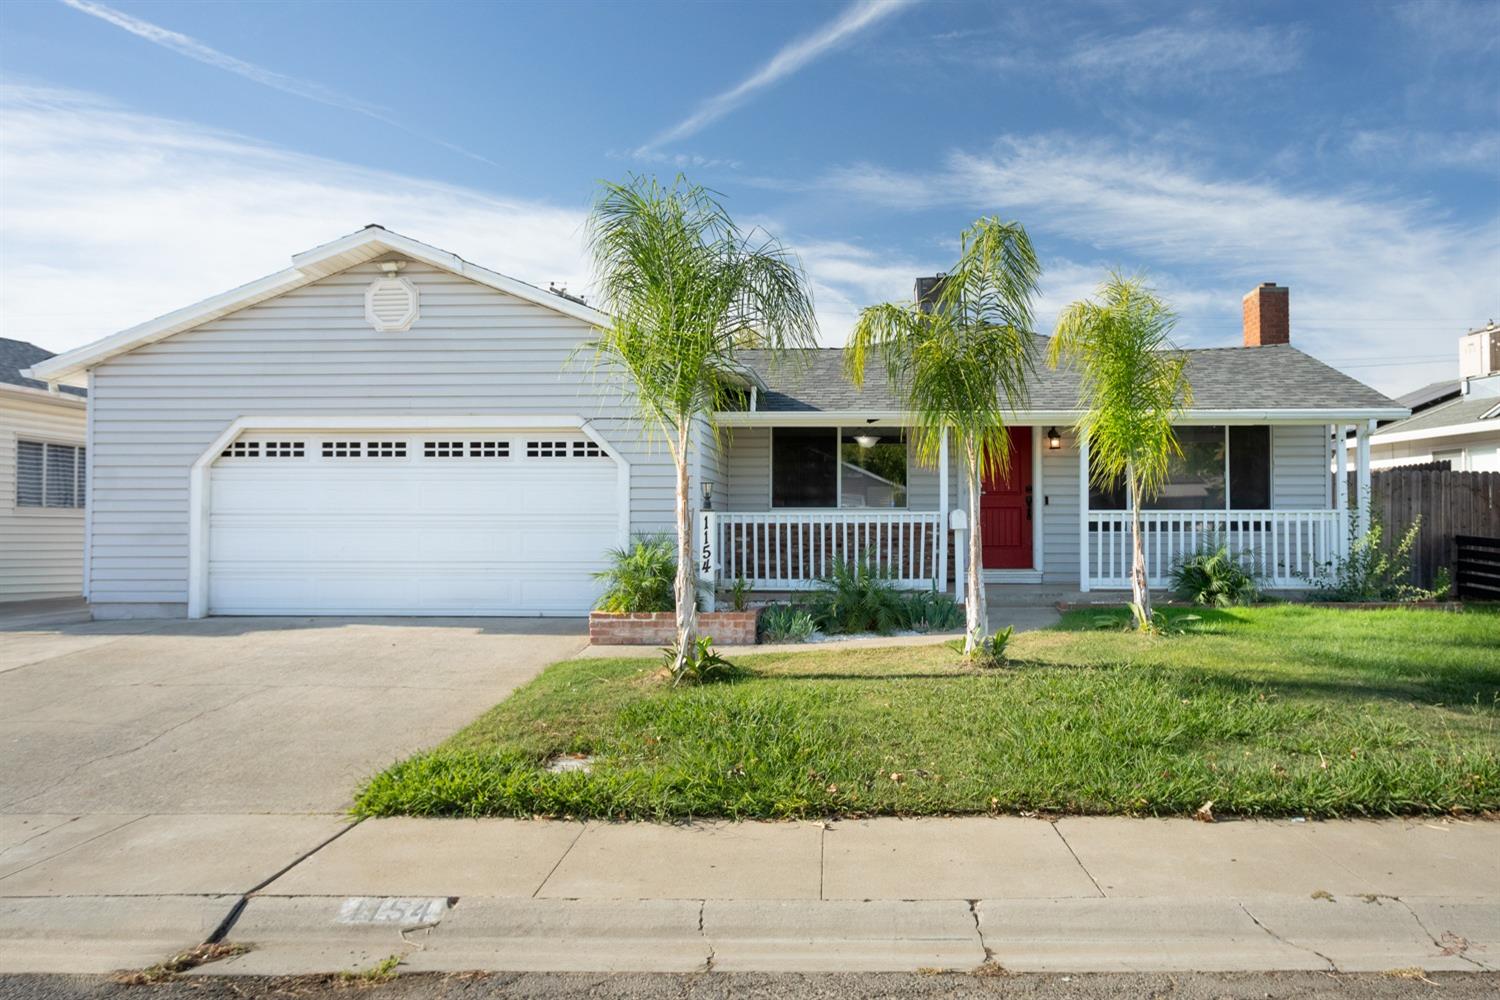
(1283,548)
(793,550)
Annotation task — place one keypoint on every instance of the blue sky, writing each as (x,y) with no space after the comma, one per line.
(155,153)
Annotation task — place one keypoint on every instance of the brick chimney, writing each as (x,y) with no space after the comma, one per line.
(1268,318)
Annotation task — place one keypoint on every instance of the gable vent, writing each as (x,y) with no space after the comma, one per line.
(391,303)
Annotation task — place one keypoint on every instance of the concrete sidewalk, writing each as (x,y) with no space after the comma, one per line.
(1078,894)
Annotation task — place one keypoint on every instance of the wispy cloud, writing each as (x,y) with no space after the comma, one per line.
(857,17)
(1372,274)
(1177,54)
(86,184)
(1407,149)
(190,47)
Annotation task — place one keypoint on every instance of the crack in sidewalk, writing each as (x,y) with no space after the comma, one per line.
(989,956)
(1332,965)
(1437,941)
(582,827)
(1078,861)
(708,963)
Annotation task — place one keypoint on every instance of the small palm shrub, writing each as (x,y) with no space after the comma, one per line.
(701,665)
(990,650)
(1372,571)
(739,594)
(786,623)
(857,599)
(1213,578)
(930,611)
(640,577)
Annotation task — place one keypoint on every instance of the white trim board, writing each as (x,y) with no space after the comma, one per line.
(198,485)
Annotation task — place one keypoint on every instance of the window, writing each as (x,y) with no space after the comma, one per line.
(834,467)
(1219,468)
(563,449)
(50,475)
(872,468)
(268,449)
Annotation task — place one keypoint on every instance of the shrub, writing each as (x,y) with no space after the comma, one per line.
(989,651)
(785,623)
(857,599)
(640,577)
(739,594)
(1213,578)
(702,665)
(930,611)
(1372,571)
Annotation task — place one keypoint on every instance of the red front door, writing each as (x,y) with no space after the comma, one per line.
(1005,509)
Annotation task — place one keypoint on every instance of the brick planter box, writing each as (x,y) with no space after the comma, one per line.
(659,628)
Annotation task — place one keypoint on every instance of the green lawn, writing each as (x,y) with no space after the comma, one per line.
(1278,710)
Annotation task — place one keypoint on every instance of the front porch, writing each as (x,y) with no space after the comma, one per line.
(1271,500)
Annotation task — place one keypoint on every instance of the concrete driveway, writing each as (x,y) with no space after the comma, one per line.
(240,715)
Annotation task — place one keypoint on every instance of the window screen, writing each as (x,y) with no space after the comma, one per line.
(804,467)
(1250,468)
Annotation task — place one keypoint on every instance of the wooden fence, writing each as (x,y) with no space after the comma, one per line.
(1449,503)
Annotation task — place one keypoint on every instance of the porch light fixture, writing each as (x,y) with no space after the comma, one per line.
(866,441)
(707,487)
(1054,439)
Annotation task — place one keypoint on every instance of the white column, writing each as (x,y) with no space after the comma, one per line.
(942,540)
(1362,473)
(1083,513)
(1038,498)
(960,524)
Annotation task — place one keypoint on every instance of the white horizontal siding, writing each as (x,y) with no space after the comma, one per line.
(472,351)
(1299,467)
(747,457)
(41,549)
(1060,507)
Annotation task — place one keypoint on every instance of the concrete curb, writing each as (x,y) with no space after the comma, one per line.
(1133,935)
(841,936)
(562,935)
(96,934)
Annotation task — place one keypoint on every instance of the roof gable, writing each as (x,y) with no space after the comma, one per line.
(311,265)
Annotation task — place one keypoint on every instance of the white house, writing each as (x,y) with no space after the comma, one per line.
(42,481)
(1457,422)
(385,428)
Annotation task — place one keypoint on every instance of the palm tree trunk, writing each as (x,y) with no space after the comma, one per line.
(978,607)
(1140,591)
(686,591)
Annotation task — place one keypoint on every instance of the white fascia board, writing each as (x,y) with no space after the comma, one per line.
(1452,430)
(69,366)
(42,396)
(820,418)
(307,267)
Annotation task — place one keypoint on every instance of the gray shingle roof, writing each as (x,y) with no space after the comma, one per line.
(1464,410)
(18,354)
(1433,392)
(1223,378)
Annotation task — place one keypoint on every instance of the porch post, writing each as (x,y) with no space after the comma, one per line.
(960,551)
(1083,513)
(942,540)
(1341,483)
(1362,473)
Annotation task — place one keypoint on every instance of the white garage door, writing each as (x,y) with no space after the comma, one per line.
(410,524)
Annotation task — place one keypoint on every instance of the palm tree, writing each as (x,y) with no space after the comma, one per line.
(1134,385)
(954,359)
(685,289)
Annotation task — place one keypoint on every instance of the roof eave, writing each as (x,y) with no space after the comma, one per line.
(35,395)
(794,418)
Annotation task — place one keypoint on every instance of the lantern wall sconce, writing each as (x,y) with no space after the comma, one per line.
(708,494)
(1054,439)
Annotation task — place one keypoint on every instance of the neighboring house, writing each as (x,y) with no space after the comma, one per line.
(1457,422)
(43,481)
(385,428)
